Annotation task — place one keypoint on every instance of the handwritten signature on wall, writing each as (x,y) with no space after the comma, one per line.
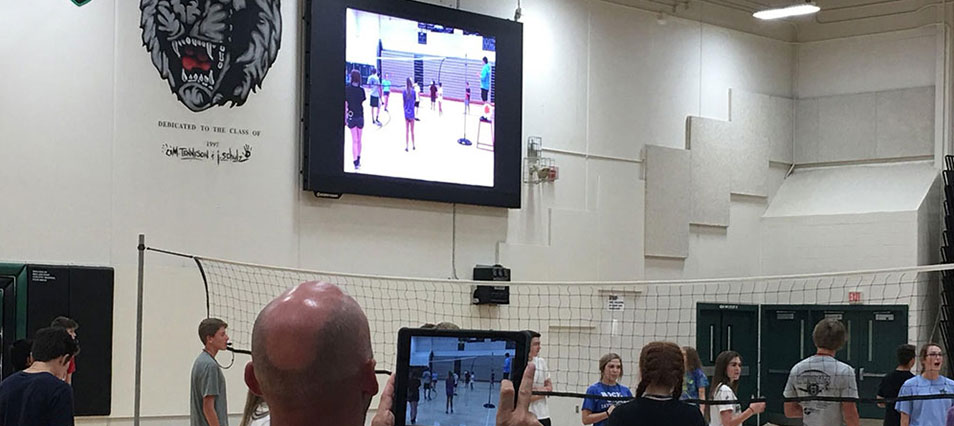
(216,155)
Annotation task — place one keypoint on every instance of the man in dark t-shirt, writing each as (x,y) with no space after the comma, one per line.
(891,383)
(39,396)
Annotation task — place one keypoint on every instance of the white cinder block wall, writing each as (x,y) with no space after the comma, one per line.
(82,169)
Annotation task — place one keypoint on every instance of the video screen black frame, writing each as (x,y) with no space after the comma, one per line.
(323,130)
(520,359)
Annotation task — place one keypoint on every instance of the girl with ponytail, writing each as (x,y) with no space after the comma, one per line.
(661,369)
(725,384)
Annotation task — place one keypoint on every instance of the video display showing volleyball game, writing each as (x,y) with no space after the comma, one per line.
(454,381)
(419,100)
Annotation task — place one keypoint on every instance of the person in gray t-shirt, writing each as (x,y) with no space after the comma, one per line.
(208,400)
(823,375)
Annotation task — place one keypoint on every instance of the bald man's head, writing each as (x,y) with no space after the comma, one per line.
(312,343)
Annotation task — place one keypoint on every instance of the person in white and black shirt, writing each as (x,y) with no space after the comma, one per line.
(725,384)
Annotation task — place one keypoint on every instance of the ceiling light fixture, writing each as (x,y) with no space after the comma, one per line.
(806,8)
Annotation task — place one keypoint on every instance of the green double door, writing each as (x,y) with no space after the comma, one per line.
(728,327)
(873,334)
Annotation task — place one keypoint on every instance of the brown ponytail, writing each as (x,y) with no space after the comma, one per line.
(661,364)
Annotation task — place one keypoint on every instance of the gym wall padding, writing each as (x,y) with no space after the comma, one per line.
(84,294)
(667,202)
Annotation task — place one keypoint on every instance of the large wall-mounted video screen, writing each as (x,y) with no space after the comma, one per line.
(411,100)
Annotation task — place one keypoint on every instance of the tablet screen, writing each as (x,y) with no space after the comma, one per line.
(456,380)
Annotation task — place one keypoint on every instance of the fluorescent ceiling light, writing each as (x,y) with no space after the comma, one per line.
(785,12)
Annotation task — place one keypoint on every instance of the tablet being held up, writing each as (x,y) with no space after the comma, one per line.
(453,376)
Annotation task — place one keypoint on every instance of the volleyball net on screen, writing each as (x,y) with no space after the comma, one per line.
(767,320)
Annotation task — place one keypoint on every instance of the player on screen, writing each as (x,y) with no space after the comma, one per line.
(354,115)
(375,84)
(891,383)
(410,102)
(725,384)
(485,81)
(440,98)
(426,382)
(449,391)
(930,382)
(466,98)
(661,369)
(386,89)
(417,101)
(823,375)
(508,362)
(414,394)
(433,90)
(596,411)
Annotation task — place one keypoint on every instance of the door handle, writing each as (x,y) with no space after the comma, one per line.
(861,374)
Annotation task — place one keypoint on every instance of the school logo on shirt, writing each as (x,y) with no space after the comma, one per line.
(813,382)
(211,53)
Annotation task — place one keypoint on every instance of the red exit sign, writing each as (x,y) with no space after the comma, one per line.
(854,297)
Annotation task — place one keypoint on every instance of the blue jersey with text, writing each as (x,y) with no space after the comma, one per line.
(601,405)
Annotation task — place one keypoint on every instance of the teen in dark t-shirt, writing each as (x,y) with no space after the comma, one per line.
(35,399)
(39,396)
(891,383)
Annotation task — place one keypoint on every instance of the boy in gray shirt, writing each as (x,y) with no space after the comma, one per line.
(823,375)
(207,404)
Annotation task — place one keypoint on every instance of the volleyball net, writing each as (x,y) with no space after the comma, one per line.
(767,320)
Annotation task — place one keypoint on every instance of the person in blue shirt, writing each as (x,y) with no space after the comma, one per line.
(695,383)
(595,410)
(926,411)
(485,81)
(506,367)
(386,87)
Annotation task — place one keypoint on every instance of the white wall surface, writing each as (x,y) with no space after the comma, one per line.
(867,63)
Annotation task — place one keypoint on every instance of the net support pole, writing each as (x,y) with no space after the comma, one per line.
(138,385)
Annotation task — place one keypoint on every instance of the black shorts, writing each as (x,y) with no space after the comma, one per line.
(484,94)
(417,103)
(544,422)
(356,122)
(374,101)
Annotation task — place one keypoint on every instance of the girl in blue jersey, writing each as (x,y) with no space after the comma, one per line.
(596,411)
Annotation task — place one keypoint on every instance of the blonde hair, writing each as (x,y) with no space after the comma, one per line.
(255,409)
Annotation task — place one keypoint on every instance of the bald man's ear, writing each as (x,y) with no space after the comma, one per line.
(251,381)
(369,381)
